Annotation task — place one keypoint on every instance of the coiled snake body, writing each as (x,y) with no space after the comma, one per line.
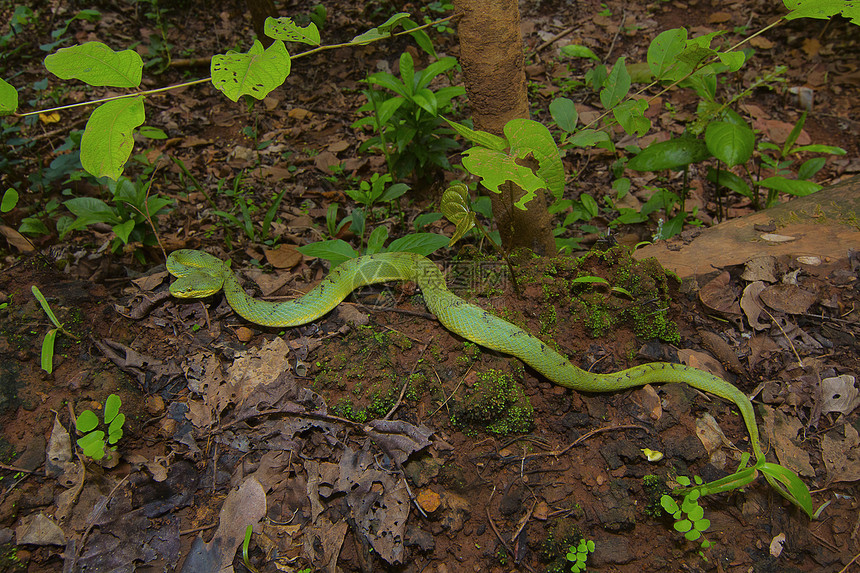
(200,274)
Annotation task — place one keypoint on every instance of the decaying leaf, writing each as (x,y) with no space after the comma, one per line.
(839,394)
(719,296)
(752,306)
(782,430)
(840,449)
(38,529)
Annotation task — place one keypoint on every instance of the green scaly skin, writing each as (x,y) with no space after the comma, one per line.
(200,274)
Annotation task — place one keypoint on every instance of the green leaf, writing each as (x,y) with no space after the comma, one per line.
(791,186)
(86,421)
(376,240)
(590,204)
(795,133)
(93,445)
(822,9)
(577,51)
(335,250)
(407,72)
(8,98)
(115,429)
(730,143)
(288,31)
(672,154)
(683,525)
(123,230)
(588,138)
(107,141)
(817,148)
(455,208)
(531,137)
(564,113)
(150,132)
(96,64)
(48,350)
(32,226)
(91,210)
(730,180)
(381,31)
(734,60)
(429,73)
(112,405)
(45,306)
(482,138)
(10,200)
(692,534)
(255,73)
(664,49)
(810,167)
(617,85)
(631,115)
(420,243)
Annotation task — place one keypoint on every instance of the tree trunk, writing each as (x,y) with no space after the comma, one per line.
(260,10)
(491,55)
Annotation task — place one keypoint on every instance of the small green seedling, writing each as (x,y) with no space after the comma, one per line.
(93,441)
(689,516)
(51,336)
(577,555)
(246,543)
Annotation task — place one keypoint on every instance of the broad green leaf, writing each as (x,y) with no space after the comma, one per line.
(123,230)
(387,108)
(112,405)
(288,31)
(47,358)
(564,113)
(107,141)
(590,204)
(96,64)
(421,243)
(420,36)
(631,115)
(671,154)
(92,210)
(86,421)
(426,99)
(376,239)
(729,180)
(8,98)
(150,132)
(407,72)
(528,136)
(664,50)
(588,138)
(734,60)
(810,167)
(429,73)
(388,81)
(381,31)
(482,138)
(335,250)
(822,9)
(255,73)
(577,51)
(455,208)
(730,143)
(617,85)
(790,186)
(496,167)
(10,200)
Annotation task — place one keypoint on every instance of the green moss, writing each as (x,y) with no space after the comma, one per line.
(496,404)
(563,534)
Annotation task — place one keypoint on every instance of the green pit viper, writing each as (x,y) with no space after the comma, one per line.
(200,274)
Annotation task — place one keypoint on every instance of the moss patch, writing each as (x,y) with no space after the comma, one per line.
(496,404)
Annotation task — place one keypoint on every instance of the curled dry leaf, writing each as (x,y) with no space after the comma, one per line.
(719,296)
(751,305)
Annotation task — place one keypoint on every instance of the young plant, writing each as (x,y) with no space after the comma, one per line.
(92,443)
(51,336)
(578,555)
(689,516)
(409,129)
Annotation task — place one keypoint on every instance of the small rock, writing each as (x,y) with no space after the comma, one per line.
(429,500)
(610,550)
(244,334)
(154,405)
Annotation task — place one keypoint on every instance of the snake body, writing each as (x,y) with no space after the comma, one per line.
(200,274)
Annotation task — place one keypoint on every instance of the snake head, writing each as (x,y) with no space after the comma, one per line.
(195,285)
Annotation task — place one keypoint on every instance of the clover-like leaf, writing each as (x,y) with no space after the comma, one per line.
(256,72)
(107,141)
(87,420)
(96,64)
(112,405)
(93,445)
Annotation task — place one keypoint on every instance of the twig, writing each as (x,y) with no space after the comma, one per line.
(451,395)
(198,529)
(17,469)
(844,569)
(96,517)
(555,38)
(615,38)
(505,543)
(406,382)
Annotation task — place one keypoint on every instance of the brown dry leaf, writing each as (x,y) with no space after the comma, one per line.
(839,394)
(255,367)
(39,530)
(760,269)
(325,161)
(268,282)
(751,305)
(782,430)
(788,298)
(811,46)
(148,283)
(840,449)
(719,296)
(298,113)
(719,17)
(701,361)
(16,239)
(712,437)
(283,256)
(338,146)
(322,543)
(761,43)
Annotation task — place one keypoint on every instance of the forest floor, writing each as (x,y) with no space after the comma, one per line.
(373,439)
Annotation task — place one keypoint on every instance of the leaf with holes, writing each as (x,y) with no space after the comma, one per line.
(96,64)
(107,141)
(255,73)
(455,208)
(287,30)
